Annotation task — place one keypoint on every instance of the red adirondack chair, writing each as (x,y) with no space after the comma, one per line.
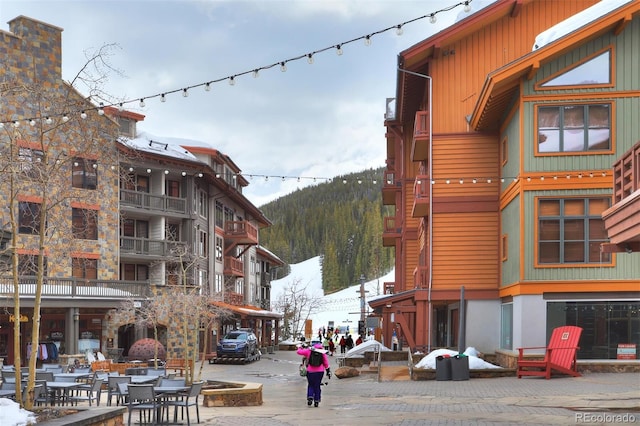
(560,355)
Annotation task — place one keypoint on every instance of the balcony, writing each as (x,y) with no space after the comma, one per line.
(158,203)
(622,220)
(233,266)
(149,247)
(421,137)
(233,298)
(392,231)
(421,196)
(390,187)
(77,288)
(421,277)
(241,232)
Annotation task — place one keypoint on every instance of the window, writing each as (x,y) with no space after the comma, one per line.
(172,232)
(218,288)
(504,151)
(135,228)
(29,160)
(202,203)
(85,173)
(506,326)
(84,268)
(28,265)
(202,244)
(504,248)
(574,128)
(219,249)
(29,218)
(571,230)
(219,214)
(134,272)
(136,183)
(173,188)
(127,127)
(84,224)
(594,71)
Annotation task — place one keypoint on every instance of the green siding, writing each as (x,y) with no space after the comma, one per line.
(627,266)
(512,133)
(511,227)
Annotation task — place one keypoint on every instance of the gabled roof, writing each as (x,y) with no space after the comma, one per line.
(502,85)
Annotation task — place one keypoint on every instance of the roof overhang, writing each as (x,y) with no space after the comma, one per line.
(247,311)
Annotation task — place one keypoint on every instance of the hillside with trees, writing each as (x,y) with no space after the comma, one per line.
(340,220)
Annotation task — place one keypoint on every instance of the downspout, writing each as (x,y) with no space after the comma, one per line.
(430,227)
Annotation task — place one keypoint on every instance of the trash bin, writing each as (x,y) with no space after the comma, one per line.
(443,368)
(460,367)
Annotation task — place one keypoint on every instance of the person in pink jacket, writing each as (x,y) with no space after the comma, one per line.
(315,372)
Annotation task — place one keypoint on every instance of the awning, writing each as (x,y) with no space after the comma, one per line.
(248,310)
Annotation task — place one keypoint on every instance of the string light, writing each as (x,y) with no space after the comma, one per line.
(185,93)
(83,115)
(256,73)
(283,66)
(142,104)
(398,28)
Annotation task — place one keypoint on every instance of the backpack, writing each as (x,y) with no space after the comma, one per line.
(315,358)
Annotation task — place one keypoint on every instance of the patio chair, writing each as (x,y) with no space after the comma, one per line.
(92,394)
(142,399)
(44,375)
(113,389)
(560,355)
(186,400)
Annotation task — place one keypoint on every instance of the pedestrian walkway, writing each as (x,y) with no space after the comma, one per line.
(602,398)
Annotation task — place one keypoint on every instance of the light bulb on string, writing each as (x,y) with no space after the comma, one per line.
(256,73)
(310,58)
(338,49)
(83,115)
(467,7)
(32,122)
(48,120)
(120,106)
(163,98)
(207,87)
(232,81)
(185,93)
(142,104)
(283,66)
(367,40)
(399,30)
(432,18)
(101,109)
(65,118)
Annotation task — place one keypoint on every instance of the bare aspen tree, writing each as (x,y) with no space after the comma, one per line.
(59,162)
(297,304)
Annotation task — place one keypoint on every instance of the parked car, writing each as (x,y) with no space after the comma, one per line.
(241,344)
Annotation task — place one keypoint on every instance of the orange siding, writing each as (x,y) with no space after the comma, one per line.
(466,157)
(467,62)
(466,251)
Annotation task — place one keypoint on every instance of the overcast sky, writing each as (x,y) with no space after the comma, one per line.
(320,120)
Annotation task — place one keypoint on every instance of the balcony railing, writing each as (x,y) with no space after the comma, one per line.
(390,187)
(233,298)
(75,287)
(421,277)
(421,196)
(626,174)
(233,266)
(149,247)
(241,231)
(421,136)
(160,203)
(391,231)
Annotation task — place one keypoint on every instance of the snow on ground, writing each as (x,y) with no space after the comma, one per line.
(12,415)
(342,307)
(475,363)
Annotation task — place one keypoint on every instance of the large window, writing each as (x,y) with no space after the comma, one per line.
(85,173)
(85,224)
(570,231)
(574,128)
(29,217)
(606,325)
(30,160)
(134,272)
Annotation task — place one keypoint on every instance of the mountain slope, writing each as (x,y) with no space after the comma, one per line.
(341,221)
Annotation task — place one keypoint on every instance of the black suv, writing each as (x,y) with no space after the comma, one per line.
(241,344)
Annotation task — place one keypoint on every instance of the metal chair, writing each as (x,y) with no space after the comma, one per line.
(142,399)
(92,394)
(113,390)
(186,400)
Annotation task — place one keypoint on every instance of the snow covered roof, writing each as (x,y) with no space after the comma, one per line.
(576,21)
(168,147)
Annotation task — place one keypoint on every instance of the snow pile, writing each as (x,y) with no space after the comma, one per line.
(475,363)
(368,346)
(12,415)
